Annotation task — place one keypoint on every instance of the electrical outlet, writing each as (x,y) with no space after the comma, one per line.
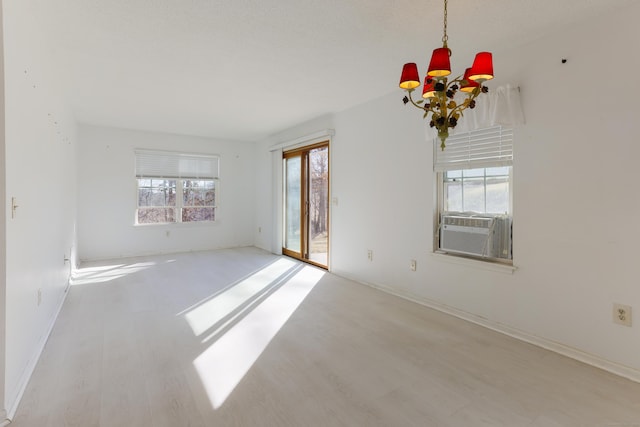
(259,229)
(413,265)
(39,296)
(370,255)
(622,314)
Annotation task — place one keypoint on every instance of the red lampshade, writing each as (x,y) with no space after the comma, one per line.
(440,65)
(410,78)
(469,85)
(428,90)
(482,68)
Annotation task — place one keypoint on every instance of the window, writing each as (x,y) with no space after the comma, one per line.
(198,200)
(175,187)
(475,194)
(156,200)
(483,190)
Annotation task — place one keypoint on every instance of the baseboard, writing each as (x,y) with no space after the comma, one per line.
(26,376)
(565,350)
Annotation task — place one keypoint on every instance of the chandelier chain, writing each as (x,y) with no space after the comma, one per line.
(445,37)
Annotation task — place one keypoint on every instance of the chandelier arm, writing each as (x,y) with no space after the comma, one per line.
(458,79)
(464,105)
(460,108)
(412,101)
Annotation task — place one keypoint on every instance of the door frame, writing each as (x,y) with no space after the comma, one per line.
(303,152)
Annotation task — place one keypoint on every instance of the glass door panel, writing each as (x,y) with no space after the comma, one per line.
(318,218)
(293,205)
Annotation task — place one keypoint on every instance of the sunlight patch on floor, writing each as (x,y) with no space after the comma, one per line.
(222,366)
(107,273)
(207,314)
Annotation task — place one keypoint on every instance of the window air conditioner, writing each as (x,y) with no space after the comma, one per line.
(485,236)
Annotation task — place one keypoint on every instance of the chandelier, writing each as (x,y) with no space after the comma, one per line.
(438,92)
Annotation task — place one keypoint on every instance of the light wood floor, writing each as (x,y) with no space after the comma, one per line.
(245,338)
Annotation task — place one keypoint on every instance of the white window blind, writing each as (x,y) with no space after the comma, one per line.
(166,164)
(489,147)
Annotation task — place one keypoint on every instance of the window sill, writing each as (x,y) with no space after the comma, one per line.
(475,263)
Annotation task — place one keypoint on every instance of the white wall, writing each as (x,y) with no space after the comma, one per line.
(107,196)
(40,173)
(3,228)
(575,178)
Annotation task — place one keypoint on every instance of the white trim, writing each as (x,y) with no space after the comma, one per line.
(278,197)
(556,347)
(31,366)
(304,140)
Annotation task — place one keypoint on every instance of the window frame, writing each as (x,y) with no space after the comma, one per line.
(484,178)
(180,178)
(500,160)
(183,205)
(165,206)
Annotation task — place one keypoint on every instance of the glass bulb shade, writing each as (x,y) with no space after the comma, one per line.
(428,90)
(470,85)
(482,68)
(439,66)
(410,79)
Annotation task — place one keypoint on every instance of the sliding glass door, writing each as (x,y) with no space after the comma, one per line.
(306,204)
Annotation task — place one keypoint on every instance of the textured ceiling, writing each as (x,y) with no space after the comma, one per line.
(246,69)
